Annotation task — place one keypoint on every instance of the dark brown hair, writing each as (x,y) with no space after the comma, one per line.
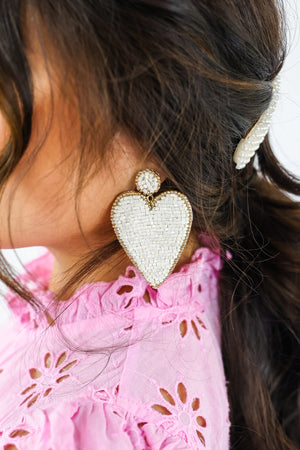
(186,80)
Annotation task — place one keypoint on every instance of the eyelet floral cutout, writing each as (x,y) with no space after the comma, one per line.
(52,373)
(14,434)
(184,324)
(183,412)
(106,396)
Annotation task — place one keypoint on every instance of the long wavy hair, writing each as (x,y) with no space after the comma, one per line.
(186,80)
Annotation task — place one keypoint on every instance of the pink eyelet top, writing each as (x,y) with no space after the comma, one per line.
(152,378)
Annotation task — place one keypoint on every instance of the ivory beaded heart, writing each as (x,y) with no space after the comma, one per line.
(153,231)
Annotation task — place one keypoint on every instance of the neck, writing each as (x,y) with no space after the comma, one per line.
(64,259)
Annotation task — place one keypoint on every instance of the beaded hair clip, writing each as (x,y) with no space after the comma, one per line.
(248,146)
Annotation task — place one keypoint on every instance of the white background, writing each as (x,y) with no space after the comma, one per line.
(285,129)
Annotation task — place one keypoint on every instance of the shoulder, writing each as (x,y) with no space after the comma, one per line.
(167,388)
(174,379)
(154,374)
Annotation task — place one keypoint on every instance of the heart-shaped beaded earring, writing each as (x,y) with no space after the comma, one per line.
(153,230)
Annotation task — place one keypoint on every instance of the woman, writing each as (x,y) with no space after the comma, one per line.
(96,356)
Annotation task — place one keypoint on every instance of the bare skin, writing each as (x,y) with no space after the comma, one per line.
(43,206)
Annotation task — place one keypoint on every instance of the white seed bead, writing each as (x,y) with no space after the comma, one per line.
(147,181)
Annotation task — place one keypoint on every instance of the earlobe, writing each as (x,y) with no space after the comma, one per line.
(158,169)
(152,163)
(134,152)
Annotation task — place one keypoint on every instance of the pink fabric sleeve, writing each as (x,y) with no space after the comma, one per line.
(94,425)
(165,391)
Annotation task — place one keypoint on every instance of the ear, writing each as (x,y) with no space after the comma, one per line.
(152,163)
(134,153)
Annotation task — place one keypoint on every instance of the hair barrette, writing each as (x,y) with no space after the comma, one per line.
(248,146)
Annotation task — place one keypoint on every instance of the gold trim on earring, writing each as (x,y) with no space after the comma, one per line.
(153,230)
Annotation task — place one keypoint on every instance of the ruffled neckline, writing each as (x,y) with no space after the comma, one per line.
(124,294)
